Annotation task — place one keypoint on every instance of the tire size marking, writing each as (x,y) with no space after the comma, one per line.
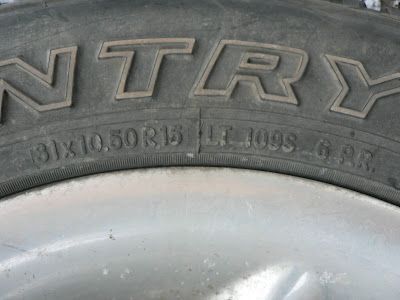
(211,136)
(134,139)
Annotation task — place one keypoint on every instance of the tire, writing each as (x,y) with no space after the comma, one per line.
(305,88)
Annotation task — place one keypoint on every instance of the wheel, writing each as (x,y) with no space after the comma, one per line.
(301,88)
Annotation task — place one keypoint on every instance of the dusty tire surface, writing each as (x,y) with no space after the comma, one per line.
(297,87)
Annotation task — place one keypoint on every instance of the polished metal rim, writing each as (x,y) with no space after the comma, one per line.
(198,233)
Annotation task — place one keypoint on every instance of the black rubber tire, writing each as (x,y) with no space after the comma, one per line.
(299,87)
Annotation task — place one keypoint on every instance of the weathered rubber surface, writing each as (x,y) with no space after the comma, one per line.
(298,87)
